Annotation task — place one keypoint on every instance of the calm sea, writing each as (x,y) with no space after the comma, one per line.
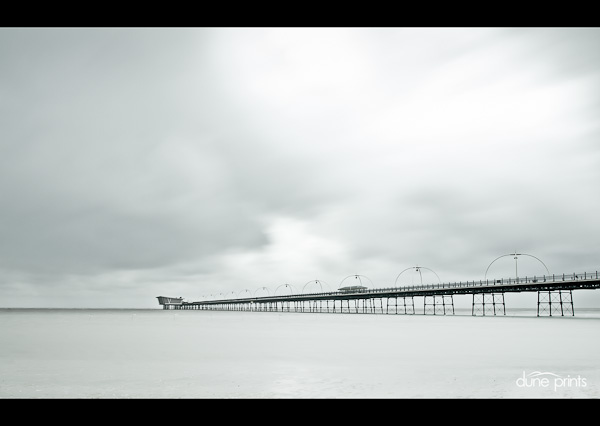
(105,353)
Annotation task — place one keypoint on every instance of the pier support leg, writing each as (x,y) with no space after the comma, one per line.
(409,309)
(406,307)
(438,305)
(488,304)
(380,306)
(429,305)
(448,303)
(555,302)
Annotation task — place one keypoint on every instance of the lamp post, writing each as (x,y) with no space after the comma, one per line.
(262,288)
(316,282)
(244,291)
(285,285)
(360,279)
(516,257)
(417,269)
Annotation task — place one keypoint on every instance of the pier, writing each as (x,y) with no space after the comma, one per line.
(555,297)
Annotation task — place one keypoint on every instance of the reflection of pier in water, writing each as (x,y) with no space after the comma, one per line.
(554,297)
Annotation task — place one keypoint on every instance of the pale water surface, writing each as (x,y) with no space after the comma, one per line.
(206,354)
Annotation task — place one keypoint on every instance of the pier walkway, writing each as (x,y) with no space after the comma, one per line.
(554,297)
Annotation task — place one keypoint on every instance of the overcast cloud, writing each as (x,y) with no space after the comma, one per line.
(197,161)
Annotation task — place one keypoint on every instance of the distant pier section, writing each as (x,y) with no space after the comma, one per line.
(170,302)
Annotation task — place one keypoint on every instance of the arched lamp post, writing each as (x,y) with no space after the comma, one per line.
(516,257)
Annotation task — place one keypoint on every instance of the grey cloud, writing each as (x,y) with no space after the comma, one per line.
(136,156)
(98,130)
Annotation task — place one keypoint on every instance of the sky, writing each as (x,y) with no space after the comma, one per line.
(207,162)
